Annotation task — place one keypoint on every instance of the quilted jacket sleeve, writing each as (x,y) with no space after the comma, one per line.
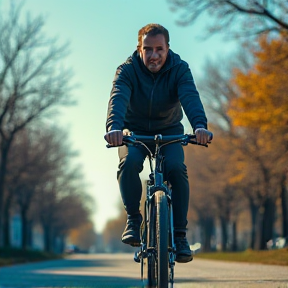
(119,99)
(190,99)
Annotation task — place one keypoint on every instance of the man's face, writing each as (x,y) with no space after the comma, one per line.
(153,52)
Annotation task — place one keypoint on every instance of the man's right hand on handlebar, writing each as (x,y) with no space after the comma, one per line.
(115,137)
(203,136)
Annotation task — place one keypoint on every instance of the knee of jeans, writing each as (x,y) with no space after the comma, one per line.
(130,163)
(176,168)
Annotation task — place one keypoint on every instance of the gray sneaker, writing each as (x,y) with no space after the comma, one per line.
(131,234)
(183,252)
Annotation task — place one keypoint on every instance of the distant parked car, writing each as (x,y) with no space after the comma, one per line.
(276,243)
(71,249)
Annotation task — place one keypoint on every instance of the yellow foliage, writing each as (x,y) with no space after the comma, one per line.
(263,99)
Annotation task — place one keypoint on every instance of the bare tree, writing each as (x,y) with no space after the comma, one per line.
(22,177)
(33,82)
(59,194)
(240,18)
(37,157)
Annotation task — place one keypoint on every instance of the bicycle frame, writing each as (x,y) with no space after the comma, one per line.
(156,183)
(158,189)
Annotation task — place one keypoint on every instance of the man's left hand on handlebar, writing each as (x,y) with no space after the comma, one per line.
(115,137)
(203,136)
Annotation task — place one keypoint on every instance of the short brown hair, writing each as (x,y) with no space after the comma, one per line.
(152,29)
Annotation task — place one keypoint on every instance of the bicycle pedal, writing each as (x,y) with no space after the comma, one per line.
(137,256)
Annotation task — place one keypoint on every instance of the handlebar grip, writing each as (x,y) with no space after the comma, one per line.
(112,146)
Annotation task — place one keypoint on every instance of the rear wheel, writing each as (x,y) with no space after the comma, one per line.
(162,239)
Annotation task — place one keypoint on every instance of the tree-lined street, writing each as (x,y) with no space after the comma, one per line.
(119,270)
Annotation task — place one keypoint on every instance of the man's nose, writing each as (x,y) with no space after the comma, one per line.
(155,54)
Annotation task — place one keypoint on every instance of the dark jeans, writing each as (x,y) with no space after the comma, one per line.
(131,164)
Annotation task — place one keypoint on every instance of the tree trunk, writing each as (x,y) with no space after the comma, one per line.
(268,222)
(234,236)
(24,227)
(284,205)
(254,211)
(29,233)
(207,224)
(6,225)
(47,237)
(3,169)
(5,147)
(224,233)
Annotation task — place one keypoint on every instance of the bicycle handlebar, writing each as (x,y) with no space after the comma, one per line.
(184,139)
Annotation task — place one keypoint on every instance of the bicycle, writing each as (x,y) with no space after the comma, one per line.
(157,251)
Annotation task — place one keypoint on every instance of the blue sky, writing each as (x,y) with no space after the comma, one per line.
(102,35)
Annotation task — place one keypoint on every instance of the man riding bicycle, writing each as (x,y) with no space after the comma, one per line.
(148,94)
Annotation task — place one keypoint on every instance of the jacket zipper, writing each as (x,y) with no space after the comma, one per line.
(152,94)
(150,102)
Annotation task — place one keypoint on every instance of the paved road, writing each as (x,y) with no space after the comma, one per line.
(119,270)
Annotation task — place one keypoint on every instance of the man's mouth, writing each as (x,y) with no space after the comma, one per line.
(154,65)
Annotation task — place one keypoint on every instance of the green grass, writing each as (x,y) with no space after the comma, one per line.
(10,256)
(272,257)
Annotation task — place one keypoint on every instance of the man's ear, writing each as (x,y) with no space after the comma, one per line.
(138,49)
(140,54)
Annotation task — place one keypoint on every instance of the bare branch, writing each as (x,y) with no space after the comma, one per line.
(238,17)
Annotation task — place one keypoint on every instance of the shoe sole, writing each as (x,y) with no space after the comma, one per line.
(184,259)
(131,241)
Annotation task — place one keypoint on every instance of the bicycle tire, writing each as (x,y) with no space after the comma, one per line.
(162,227)
(151,242)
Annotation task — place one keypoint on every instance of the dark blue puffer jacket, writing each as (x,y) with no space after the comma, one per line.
(144,102)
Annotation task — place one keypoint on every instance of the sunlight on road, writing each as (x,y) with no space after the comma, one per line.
(119,270)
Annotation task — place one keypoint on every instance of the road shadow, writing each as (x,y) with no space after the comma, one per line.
(202,280)
(65,273)
(70,281)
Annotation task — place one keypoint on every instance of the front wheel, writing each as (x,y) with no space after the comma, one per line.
(162,238)
(151,244)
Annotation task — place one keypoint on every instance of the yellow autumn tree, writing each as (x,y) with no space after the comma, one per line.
(263,101)
(261,113)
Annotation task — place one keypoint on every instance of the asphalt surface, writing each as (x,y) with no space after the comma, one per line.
(119,270)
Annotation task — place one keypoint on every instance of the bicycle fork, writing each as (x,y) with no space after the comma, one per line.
(171,249)
(146,251)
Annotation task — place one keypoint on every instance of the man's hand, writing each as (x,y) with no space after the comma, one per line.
(203,136)
(115,137)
